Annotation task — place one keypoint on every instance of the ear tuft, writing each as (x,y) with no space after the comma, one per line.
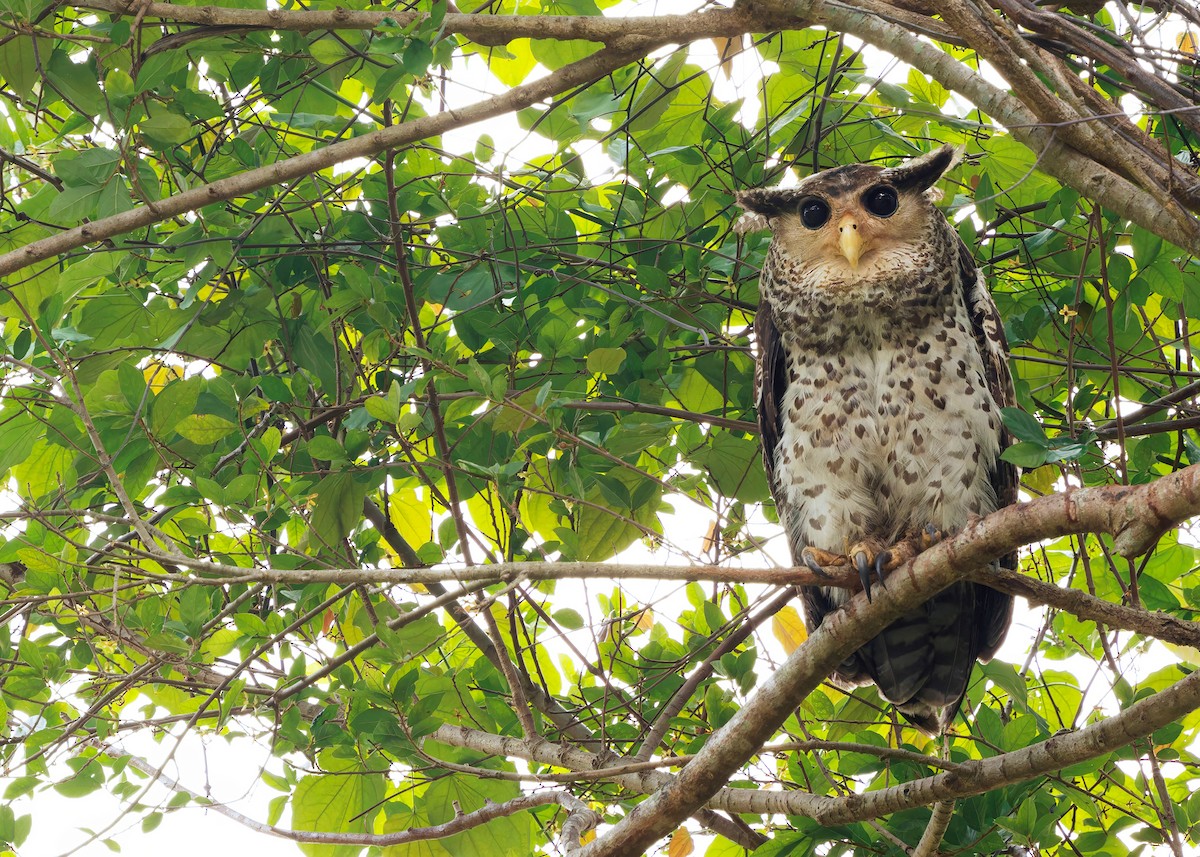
(768,201)
(922,173)
(761,204)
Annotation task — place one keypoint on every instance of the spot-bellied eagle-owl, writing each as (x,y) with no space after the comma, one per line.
(882,368)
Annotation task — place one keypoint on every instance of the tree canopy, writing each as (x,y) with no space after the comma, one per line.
(345,345)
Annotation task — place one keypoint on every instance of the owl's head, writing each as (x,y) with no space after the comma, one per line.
(852,219)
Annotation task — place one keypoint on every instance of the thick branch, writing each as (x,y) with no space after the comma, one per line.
(1135,517)
(1091,179)
(369,145)
(481,29)
(1055,753)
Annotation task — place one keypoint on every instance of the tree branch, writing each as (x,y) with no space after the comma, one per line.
(1134,516)
(1160,626)
(483,29)
(580,817)
(939,820)
(626,40)
(577,73)
(1091,179)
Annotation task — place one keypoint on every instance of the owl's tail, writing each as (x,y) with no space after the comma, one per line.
(922,662)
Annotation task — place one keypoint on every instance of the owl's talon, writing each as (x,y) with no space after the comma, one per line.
(814,566)
(816,560)
(863,564)
(930,536)
(883,561)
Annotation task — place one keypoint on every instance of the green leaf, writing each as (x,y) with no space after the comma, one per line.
(509,836)
(18,431)
(1024,426)
(18,64)
(326,448)
(569,619)
(417,57)
(91,167)
(158,67)
(75,82)
(338,509)
(328,50)
(605,361)
(985,198)
(1026,455)
(383,408)
(345,800)
(175,402)
(735,465)
(163,126)
(205,429)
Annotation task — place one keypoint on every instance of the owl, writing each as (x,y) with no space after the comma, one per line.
(882,368)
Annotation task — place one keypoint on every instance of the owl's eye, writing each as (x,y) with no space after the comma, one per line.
(881,201)
(814,213)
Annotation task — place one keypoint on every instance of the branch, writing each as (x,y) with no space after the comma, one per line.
(482,29)
(369,145)
(626,39)
(580,817)
(935,830)
(1055,753)
(1160,626)
(221,575)
(1135,517)
(1090,178)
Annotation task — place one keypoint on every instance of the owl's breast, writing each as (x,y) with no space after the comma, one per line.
(885,428)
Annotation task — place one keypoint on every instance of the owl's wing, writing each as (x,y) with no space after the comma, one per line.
(993,609)
(770,381)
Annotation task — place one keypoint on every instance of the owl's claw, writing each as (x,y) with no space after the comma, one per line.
(930,536)
(864,565)
(815,567)
(815,560)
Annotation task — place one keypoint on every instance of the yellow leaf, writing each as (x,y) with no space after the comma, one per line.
(788,628)
(411,515)
(681,844)
(1041,480)
(645,620)
(490,516)
(1187,654)
(1188,43)
(159,374)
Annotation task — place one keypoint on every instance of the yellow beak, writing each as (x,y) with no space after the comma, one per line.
(850,239)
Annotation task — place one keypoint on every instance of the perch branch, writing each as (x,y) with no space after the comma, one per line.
(1134,516)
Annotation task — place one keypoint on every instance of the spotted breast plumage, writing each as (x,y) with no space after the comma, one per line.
(882,369)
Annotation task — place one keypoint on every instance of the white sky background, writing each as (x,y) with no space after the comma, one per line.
(228,770)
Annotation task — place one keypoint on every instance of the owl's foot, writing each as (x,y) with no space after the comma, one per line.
(867,560)
(929,537)
(816,559)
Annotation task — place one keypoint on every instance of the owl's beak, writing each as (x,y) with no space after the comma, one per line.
(850,239)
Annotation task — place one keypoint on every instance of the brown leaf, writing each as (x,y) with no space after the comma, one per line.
(681,844)
(727,49)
